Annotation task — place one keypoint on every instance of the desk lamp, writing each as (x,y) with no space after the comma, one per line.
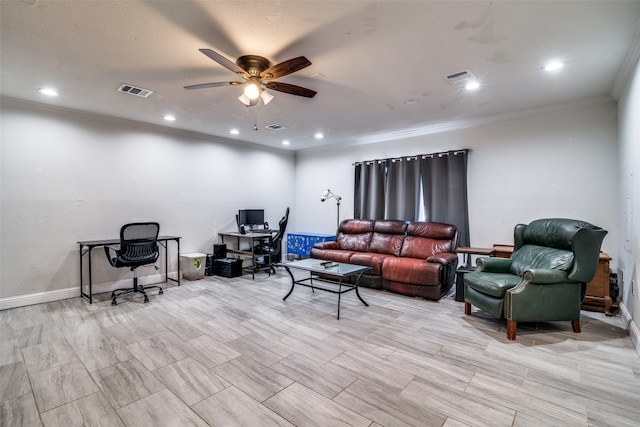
(328,195)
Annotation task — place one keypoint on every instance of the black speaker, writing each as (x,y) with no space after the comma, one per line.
(220,251)
(208,270)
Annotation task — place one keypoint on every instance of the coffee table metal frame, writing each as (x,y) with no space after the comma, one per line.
(340,271)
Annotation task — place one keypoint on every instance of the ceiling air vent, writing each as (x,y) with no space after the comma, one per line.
(276,127)
(138,91)
(460,77)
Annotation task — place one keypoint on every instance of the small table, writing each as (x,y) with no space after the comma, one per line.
(468,267)
(338,269)
(254,238)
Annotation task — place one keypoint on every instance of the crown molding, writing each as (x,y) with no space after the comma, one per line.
(469,122)
(151,127)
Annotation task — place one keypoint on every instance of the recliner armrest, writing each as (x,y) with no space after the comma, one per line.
(493,265)
(443,258)
(327,245)
(545,276)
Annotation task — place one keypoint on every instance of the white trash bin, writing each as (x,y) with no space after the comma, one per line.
(192,266)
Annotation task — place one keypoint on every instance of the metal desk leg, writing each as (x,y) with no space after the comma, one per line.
(90,279)
(178,258)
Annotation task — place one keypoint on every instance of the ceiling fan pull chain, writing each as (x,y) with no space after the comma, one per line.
(255,120)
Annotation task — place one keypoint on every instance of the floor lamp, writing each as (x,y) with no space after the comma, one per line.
(329,195)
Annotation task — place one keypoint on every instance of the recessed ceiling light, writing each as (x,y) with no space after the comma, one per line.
(553,66)
(170,118)
(285,142)
(319,135)
(49,91)
(473,85)
(234,131)
(411,101)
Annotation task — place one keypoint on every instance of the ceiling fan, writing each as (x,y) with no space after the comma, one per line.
(257,74)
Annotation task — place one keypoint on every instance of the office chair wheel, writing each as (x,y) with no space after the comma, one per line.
(146,299)
(161,292)
(113,302)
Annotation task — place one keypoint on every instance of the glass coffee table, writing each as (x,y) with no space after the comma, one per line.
(318,271)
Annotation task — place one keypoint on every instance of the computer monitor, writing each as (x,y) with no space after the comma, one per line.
(251,217)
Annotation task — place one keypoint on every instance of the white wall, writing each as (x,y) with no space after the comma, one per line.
(629,201)
(557,163)
(67,176)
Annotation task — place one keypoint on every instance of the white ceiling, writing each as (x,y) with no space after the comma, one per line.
(367,58)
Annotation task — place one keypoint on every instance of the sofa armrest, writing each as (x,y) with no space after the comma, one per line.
(327,245)
(443,258)
(493,265)
(449,263)
(545,276)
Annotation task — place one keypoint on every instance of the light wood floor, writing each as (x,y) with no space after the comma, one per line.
(226,352)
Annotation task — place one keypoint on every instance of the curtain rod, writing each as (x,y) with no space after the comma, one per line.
(413,157)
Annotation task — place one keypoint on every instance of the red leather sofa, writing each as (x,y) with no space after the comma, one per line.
(410,258)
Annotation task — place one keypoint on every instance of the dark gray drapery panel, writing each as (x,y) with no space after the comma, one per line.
(444,186)
(403,189)
(392,189)
(369,190)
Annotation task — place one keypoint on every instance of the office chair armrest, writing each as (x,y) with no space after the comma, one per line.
(107,252)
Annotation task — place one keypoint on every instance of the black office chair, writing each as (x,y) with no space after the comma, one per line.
(273,251)
(138,247)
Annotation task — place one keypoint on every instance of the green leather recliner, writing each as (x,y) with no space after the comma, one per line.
(544,280)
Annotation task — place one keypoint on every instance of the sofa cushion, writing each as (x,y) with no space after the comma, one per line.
(411,270)
(335,255)
(494,284)
(369,259)
(388,236)
(533,256)
(355,235)
(424,239)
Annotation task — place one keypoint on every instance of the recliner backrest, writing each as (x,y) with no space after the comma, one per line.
(355,234)
(534,256)
(388,235)
(579,238)
(424,239)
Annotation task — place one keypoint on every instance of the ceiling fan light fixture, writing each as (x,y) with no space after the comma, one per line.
(266,97)
(245,100)
(252,91)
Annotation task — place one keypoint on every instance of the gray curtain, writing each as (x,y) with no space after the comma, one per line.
(393,188)
(444,186)
(369,190)
(402,189)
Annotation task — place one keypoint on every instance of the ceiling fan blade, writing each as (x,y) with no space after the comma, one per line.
(291,89)
(223,61)
(208,85)
(286,67)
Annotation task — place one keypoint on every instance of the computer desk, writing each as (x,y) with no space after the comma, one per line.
(253,237)
(86,246)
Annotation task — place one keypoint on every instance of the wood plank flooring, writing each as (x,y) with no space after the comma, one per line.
(231,352)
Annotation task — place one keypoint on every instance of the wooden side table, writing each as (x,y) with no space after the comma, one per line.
(468,266)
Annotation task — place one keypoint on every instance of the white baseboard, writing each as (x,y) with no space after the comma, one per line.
(60,294)
(631,326)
